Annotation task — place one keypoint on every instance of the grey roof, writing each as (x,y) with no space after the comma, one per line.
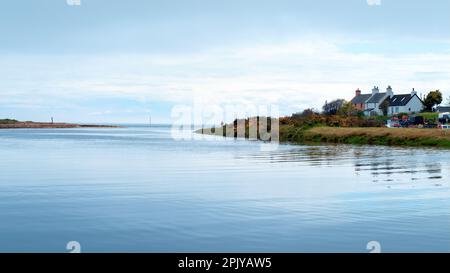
(400,100)
(443,109)
(361,98)
(377,98)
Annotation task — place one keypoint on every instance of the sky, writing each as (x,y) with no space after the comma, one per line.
(117,61)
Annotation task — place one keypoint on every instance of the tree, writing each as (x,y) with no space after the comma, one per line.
(385,107)
(306,113)
(332,108)
(347,110)
(433,98)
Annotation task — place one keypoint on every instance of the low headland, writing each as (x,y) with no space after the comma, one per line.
(310,127)
(15,124)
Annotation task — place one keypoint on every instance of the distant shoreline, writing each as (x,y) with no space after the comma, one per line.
(12,124)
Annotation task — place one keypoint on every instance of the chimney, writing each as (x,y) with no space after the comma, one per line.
(358,92)
(389,91)
(413,92)
(375,90)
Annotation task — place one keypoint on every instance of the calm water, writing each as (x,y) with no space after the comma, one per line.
(137,189)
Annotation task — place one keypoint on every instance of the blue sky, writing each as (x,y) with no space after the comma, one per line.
(122,61)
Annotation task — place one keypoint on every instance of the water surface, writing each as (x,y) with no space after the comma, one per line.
(136,189)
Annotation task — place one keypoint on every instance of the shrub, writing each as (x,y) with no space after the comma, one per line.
(8,121)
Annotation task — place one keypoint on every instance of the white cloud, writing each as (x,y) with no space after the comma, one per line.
(298,74)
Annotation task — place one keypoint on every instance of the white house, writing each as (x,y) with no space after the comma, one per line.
(443,109)
(406,103)
(372,105)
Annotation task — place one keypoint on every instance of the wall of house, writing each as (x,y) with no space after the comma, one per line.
(375,106)
(372,106)
(359,106)
(377,110)
(393,110)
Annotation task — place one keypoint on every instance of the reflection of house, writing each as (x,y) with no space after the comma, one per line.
(377,103)
(406,103)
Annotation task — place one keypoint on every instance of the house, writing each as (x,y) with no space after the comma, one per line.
(378,103)
(373,104)
(443,109)
(404,103)
(333,107)
(359,101)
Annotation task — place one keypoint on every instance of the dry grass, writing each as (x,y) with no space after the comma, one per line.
(410,133)
(380,136)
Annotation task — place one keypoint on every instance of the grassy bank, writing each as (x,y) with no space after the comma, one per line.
(310,126)
(380,136)
(290,133)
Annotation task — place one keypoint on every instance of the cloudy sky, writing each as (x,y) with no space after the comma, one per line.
(123,61)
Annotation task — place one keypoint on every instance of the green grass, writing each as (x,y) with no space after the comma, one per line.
(429,115)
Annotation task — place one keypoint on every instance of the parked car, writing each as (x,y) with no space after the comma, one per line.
(404,123)
(430,126)
(393,124)
(417,120)
(444,118)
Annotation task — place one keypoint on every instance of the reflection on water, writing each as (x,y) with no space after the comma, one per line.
(382,163)
(137,189)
